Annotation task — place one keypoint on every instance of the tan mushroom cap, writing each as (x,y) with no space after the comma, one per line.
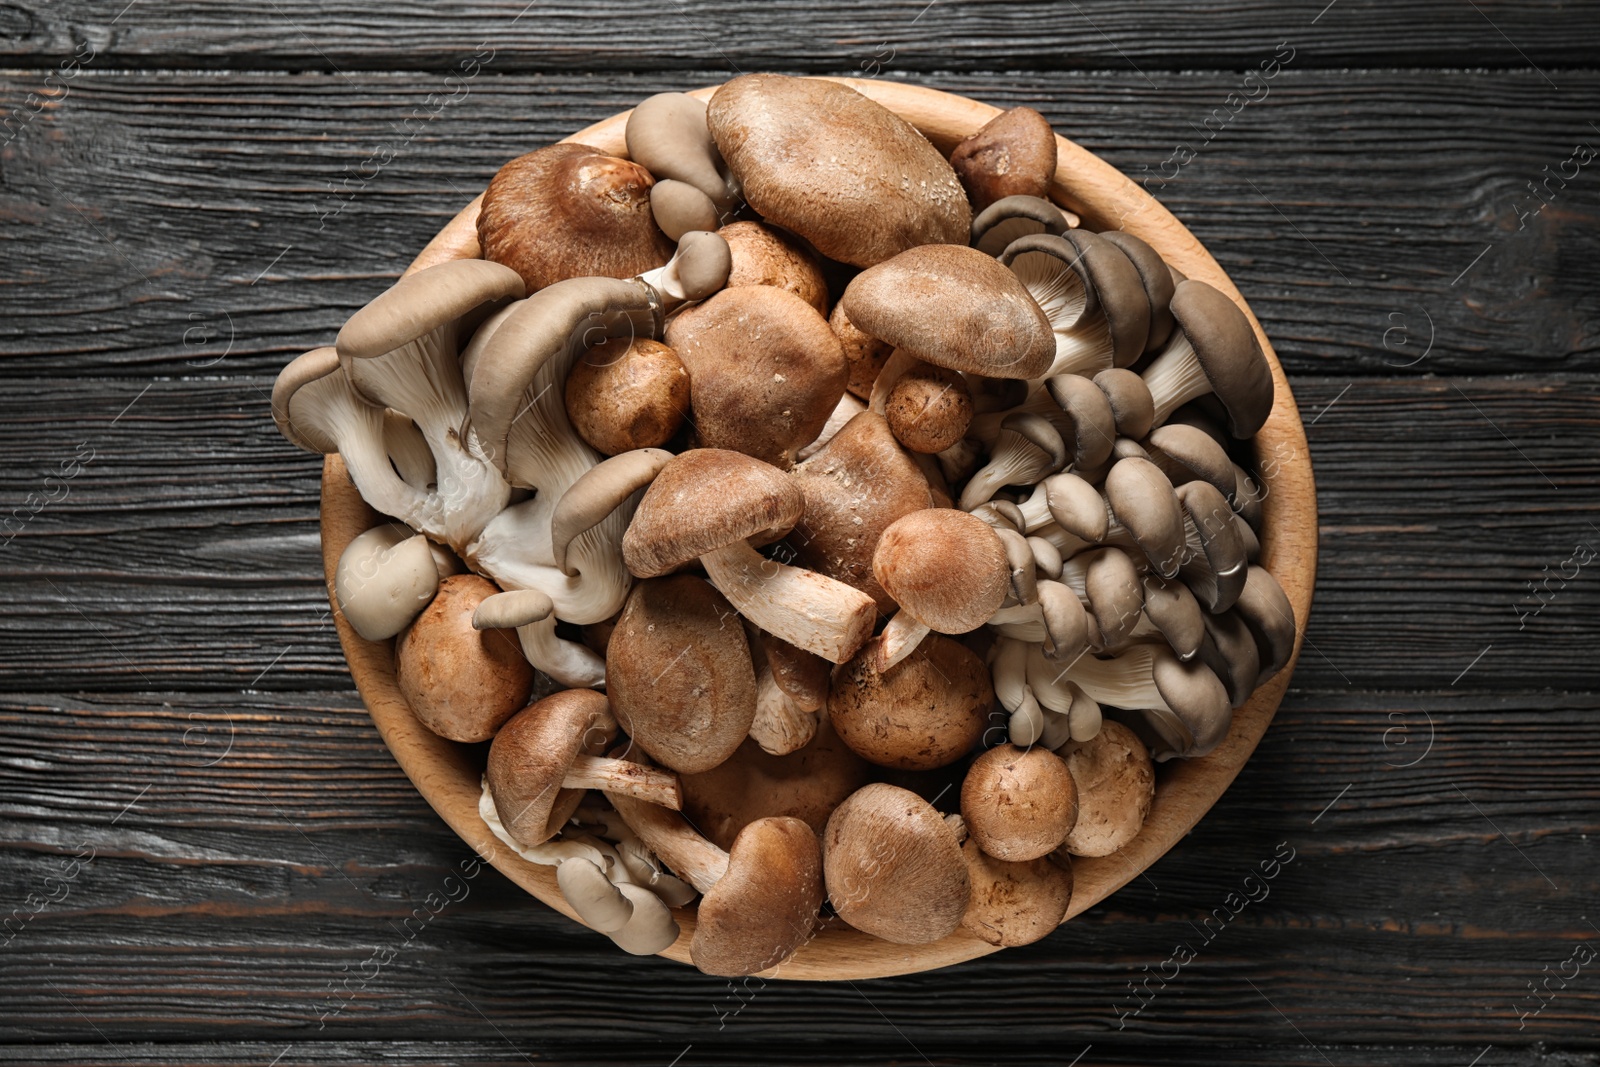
(947,568)
(929,408)
(679,673)
(679,208)
(570,211)
(1116,785)
(1013,154)
(627,393)
(765,907)
(1090,418)
(763,255)
(1019,804)
(678,520)
(842,171)
(385,576)
(461,683)
(954,307)
(1014,903)
(751,784)
(765,371)
(803,676)
(893,868)
(1143,501)
(854,488)
(865,354)
(532,753)
(924,712)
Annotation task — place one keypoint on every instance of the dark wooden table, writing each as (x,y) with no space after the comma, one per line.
(204,844)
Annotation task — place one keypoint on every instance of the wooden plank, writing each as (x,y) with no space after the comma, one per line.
(788,35)
(221,224)
(184,555)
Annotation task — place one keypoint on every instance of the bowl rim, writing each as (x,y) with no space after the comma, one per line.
(448,775)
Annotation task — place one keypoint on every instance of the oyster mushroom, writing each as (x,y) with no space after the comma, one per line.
(1026,449)
(1213,350)
(678,522)
(1269,615)
(384,578)
(1132,408)
(532,614)
(926,711)
(1091,294)
(667,135)
(571,211)
(1185,702)
(459,682)
(1011,217)
(948,572)
(1215,564)
(1158,284)
(1186,454)
(902,192)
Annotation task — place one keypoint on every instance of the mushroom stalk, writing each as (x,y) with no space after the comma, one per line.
(899,639)
(806,609)
(669,835)
(1175,377)
(532,614)
(623,776)
(780,726)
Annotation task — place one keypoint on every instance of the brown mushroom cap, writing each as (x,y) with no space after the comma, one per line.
(678,520)
(751,784)
(929,408)
(1013,154)
(947,568)
(842,171)
(766,256)
(924,712)
(1226,348)
(1116,785)
(461,683)
(765,906)
(954,307)
(765,371)
(570,211)
(530,757)
(1217,575)
(1019,804)
(679,673)
(854,487)
(1014,903)
(893,868)
(1158,284)
(1089,417)
(803,676)
(865,354)
(627,393)
(1230,650)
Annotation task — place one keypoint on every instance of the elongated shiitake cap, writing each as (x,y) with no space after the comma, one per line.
(954,307)
(764,908)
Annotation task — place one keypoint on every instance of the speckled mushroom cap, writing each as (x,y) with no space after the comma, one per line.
(680,674)
(924,712)
(954,307)
(1228,351)
(946,567)
(765,906)
(1015,903)
(763,255)
(1019,804)
(842,171)
(1013,154)
(571,211)
(1116,782)
(893,868)
(532,753)
(678,521)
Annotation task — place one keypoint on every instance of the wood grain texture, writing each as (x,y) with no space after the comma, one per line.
(911,35)
(220,224)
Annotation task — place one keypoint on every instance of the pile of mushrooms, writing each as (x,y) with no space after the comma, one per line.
(748,493)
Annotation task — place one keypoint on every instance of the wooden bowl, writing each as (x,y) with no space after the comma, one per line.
(447,774)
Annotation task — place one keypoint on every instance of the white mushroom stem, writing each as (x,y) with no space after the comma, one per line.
(597,493)
(409,450)
(848,407)
(1086,350)
(809,610)
(1175,377)
(1067,544)
(780,726)
(1016,460)
(1009,667)
(899,639)
(670,836)
(531,613)
(649,784)
(515,551)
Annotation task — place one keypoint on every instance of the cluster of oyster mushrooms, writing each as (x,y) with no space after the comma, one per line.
(875,523)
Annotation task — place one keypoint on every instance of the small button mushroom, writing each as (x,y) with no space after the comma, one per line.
(865,354)
(760,897)
(1213,350)
(679,673)
(1013,154)
(1158,284)
(678,522)
(627,393)
(1216,564)
(667,135)
(459,682)
(1011,217)
(1014,903)
(1187,454)
(1145,506)
(1116,786)
(765,256)
(1019,804)
(1269,615)
(765,371)
(1186,700)
(926,711)
(902,191)
(385,577)
(1091,294)
(929,408)
(571,211)
(1132,408)
(1026,449)
(953,307)
(893,866)
(547,754)
(947,571)
(751,784)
